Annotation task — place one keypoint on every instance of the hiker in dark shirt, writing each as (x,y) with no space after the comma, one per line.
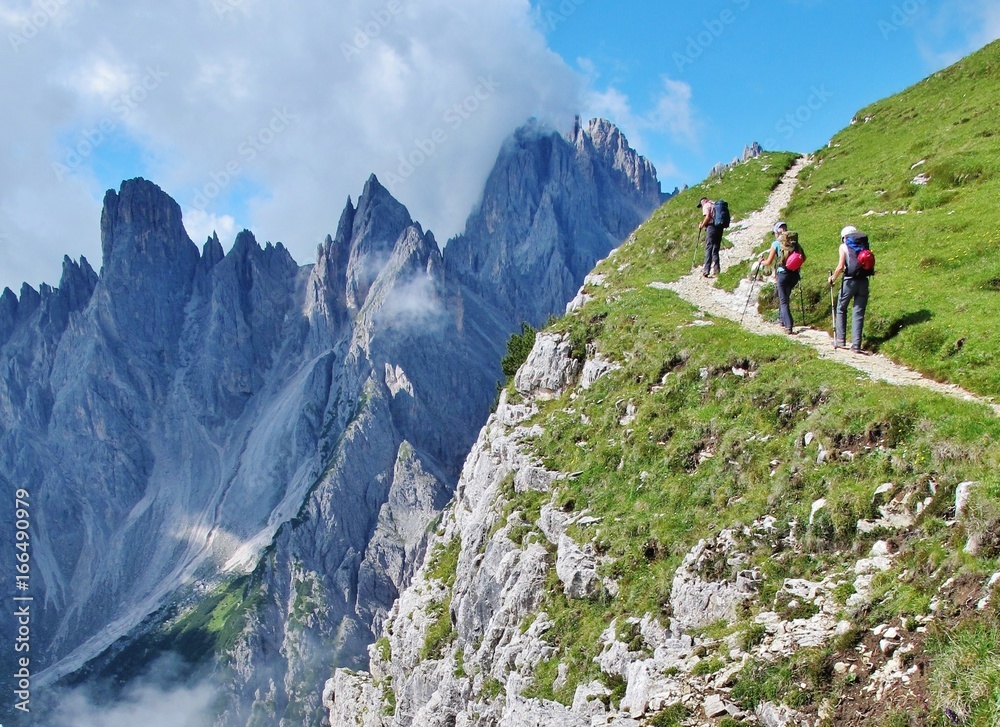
(785,279)
(855,286)
(713,238)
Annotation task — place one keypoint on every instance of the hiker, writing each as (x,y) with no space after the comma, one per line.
(786,275)
(713,237)
(854,286)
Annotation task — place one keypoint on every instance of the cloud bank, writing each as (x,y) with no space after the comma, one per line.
(260,116)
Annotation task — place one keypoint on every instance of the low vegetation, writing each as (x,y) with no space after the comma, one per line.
(705,426)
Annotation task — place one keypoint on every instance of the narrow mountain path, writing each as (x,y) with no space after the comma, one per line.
(745,236)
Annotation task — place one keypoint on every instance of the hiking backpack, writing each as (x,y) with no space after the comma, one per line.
(721,218)
(792,256)
(860,259)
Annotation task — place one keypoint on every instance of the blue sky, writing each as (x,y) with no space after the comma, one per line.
(267,117)
(786,73)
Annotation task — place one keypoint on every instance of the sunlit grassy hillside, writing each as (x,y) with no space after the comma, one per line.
(705,425)
(920,173)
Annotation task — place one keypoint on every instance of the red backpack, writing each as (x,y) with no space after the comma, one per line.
(860,258)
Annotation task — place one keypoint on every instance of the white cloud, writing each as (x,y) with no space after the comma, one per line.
(200,225)
(151,702)
(986,22)
(671,113)
(951,31)
(191,93)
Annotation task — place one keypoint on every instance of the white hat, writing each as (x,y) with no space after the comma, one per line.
(778,226)
(849,230)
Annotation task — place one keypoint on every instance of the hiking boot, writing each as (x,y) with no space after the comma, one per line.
(859,350)
(716,272)
(705,275)
(790,331)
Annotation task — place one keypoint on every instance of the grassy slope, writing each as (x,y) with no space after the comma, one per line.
(938,279)
(709,448)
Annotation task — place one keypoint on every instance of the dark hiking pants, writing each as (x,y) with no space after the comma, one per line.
(786,280)
(713,242)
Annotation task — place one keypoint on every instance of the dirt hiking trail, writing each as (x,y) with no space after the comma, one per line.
(745,236)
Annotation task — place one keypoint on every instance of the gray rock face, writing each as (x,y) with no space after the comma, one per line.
(552,208)
(184,412)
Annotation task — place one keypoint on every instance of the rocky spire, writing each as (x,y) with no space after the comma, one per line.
(376,225)
(149,262)
(77,283)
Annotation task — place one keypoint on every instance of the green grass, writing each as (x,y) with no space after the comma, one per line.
(442,567)
(965,677)
(709,449)
(659,492)
(938,267)
(197,635)
(670,238)
(698,455)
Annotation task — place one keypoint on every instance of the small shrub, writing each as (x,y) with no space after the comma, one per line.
(518,348)
(672,716)
(708,666)
(752,635)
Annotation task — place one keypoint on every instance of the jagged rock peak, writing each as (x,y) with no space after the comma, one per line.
(752,150)
(749,152)
(212,252)
(377,223)
(77,283)
(146,220)
(8,314)
(346,225)
(611,143)
(28,301)
(378,212)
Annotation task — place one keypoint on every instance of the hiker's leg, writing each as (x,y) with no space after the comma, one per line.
(709,235)
(716,248)
(858,317)
(843,299)
(782,279)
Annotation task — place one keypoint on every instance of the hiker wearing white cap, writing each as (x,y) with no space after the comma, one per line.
(854,287)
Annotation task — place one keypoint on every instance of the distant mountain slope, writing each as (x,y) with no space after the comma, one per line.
(184,413)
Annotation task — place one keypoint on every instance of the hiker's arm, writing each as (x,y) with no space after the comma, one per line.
(705,222)
(841,262)
(770,257)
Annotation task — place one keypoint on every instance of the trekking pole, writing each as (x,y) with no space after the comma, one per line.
(694,258)
(753,282)
(833,315)
(802,304)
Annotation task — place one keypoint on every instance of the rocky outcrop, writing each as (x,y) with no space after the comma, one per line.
(553,206)
(751,151)
(462,644)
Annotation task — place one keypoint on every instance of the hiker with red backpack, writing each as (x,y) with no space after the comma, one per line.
(857,263)
(790,256)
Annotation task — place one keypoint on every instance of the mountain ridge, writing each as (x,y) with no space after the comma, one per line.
(191,411)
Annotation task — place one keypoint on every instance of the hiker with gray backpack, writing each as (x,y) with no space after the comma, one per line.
(789,255)
(857,263)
